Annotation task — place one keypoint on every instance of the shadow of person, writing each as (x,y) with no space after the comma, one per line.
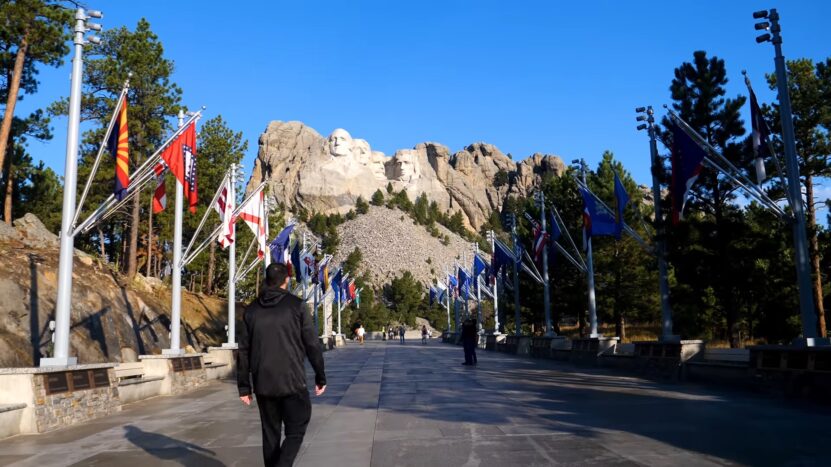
(170,449)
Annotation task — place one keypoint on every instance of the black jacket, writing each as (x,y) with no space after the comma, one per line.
(469,334)
(276,336)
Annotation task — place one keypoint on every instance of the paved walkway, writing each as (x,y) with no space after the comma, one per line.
(414,405)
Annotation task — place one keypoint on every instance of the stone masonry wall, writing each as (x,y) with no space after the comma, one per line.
(68,408)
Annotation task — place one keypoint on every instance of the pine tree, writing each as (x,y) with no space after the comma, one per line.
(698,91)
(32,32)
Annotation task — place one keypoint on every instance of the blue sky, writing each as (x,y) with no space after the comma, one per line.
(533,76)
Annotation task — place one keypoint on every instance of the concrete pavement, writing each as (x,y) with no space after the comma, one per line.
(411,405)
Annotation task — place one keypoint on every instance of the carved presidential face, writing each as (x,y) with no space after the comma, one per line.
(340,143)
(405,167)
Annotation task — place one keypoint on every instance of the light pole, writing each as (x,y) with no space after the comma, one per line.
(803,272)
(648,115)
(581,166)
(539,197)
(63,305)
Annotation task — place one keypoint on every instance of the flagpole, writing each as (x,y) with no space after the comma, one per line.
(589,268)
(478,292)
(447,298)
(231,197)
(176,283)
(517,319)
(660,233)
(496,330)
(549,329)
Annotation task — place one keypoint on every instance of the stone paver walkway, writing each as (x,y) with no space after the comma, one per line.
(414,405)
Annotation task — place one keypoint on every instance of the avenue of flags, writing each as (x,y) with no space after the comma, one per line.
(689,154)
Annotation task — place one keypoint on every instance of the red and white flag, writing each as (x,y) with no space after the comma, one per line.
(253,213)
(180,157)
(225,207)
(160,195)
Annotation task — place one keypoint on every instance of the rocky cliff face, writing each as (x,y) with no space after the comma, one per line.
(111,320)
(305,170)
(391,243)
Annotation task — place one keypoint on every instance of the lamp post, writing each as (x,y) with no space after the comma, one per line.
(63,305)
(646,114)
(803,272)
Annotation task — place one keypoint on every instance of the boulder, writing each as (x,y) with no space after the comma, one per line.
(8,233)
(34,234)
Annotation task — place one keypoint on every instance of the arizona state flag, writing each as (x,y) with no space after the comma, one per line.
(119,147)
(180,157)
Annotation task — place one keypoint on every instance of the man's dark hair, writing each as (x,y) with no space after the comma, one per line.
(276,274)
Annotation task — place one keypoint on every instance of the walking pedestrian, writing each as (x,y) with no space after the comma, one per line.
(470,339)
(276,336)
(423,334)
(401,332)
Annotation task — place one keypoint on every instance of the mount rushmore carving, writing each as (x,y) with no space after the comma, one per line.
(305,170)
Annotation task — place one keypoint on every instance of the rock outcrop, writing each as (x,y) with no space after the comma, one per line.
(111,320)
(327,175)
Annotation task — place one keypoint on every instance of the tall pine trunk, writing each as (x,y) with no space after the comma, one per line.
(813,241)
(209,287)
(7,201)
(11,102)
(149,271)
(102,246)
(135,219)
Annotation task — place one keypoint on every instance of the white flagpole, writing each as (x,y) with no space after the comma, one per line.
(176,283)
(231,197)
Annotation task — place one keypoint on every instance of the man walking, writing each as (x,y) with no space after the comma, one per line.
(276,336)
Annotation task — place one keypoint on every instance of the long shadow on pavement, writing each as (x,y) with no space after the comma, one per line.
(424,388)
(170,449)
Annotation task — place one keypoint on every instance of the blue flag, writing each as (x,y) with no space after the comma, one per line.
(501,258)
(335,283)
(621,200)
(464,284)
(596,222)
(687,160)
(295,261)
(280,246)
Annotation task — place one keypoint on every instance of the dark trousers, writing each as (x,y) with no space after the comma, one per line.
(470,352)
(292,411)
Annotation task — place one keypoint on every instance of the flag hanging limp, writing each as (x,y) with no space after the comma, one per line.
(225,207)
(253,214)
(180,157)
(687,160)
(119,147)
(160,194)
